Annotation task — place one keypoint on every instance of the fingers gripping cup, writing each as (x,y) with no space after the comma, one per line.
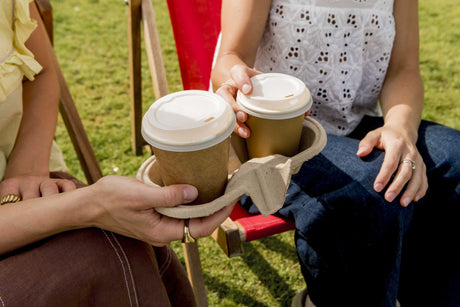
(189,132)
(276,109)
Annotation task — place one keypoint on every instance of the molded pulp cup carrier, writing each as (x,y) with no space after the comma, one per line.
(276,109)
(189,132)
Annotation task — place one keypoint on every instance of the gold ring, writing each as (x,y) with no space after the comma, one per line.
(187,236)
(411,162)
(10,198)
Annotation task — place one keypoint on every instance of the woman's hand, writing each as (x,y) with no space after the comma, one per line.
(240,80)
(29,186)
(126,206)
(398,147)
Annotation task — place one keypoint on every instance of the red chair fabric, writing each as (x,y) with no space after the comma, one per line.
(258,226)
(196,28)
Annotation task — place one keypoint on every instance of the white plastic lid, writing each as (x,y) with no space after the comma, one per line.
(275,96)
(188,121)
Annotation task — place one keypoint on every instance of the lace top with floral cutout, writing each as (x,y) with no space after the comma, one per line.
(341,50)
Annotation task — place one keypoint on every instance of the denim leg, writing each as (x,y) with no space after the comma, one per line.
(350,240)
(430,272)
(348,237)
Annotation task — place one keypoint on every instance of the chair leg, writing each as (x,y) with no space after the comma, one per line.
(228,236)
(134,40)
(195,273)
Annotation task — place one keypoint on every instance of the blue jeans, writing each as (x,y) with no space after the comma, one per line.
(355,248)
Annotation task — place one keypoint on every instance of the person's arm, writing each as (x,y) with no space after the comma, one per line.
(242,26)
(27,172)
(119,204)
(402,102)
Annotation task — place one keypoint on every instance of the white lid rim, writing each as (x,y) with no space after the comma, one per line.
(269,114)
(189,138)
(181,147)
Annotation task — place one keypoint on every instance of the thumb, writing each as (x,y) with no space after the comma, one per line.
(241,75)
(174,195)
(367,144)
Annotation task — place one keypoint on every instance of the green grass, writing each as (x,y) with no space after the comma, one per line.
(91,44)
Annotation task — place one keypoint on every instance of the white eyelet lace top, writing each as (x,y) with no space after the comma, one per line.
(339,48)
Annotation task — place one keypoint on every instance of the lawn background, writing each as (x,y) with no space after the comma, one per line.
(91,44)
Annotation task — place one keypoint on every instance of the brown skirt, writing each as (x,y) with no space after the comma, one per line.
(93,267)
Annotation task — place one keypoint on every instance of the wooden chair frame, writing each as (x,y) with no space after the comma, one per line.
(67,108)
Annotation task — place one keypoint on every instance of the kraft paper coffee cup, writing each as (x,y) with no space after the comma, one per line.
(276,110)
(189,132)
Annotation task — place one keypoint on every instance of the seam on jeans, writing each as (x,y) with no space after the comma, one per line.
(122,266)
(1,301)
(129,267)
(165,265)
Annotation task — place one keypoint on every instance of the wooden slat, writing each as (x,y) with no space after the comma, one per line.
(133,10)
(80,141)
(153,48)
(46,12)
(195,273)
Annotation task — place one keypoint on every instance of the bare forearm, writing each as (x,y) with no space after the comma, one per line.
(243,23)
(402,101)
(402,94)
(32,148)
(32,220)
(40,104)
(119,204)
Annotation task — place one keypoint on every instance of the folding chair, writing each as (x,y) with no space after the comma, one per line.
(67,108)
(196,27)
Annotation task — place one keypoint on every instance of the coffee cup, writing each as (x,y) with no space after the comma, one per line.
(189,132)
(276,109)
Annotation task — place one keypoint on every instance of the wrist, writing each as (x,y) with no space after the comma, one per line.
(404,121)
(87,208)
(26,167)
(77,209)
(408,131)
(90,206)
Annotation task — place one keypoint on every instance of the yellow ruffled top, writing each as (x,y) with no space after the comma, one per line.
(16,61)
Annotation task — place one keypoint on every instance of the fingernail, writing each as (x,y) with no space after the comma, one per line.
(240,116)
(242,133)
(390,196)
(190,193)
(246,88)
(405,201)
(360,150)
(378,187)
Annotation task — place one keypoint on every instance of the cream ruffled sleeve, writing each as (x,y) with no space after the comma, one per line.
(16,61)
